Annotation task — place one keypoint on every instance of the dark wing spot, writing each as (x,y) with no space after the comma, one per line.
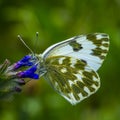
(84,61)
(91,37)
(76,89)
(75,46)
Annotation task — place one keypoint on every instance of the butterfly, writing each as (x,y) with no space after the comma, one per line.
(70,66)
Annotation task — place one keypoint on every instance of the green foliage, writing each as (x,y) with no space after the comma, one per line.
(56,21)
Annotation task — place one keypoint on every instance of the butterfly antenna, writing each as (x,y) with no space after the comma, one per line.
(37,33)
(36,41)
(20,38)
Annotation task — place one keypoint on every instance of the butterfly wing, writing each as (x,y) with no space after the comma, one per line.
(71,78)
(91,48)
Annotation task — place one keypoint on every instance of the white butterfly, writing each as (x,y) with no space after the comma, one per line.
(70,66)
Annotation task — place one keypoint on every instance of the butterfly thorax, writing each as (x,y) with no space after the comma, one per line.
(38,60)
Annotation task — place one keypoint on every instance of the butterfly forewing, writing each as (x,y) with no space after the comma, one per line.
(91,48)
(72,78)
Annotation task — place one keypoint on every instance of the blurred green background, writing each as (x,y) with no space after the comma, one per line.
(56,20)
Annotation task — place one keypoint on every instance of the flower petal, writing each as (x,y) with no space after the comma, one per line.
(30,73)
(25,61)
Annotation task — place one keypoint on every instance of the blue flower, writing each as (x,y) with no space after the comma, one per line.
(29,73)
(25,61)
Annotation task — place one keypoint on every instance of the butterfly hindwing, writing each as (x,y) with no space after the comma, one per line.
(72,78)
(91,48)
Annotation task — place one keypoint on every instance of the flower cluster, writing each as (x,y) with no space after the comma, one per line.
(25,61)
(12,78)
(29,73)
